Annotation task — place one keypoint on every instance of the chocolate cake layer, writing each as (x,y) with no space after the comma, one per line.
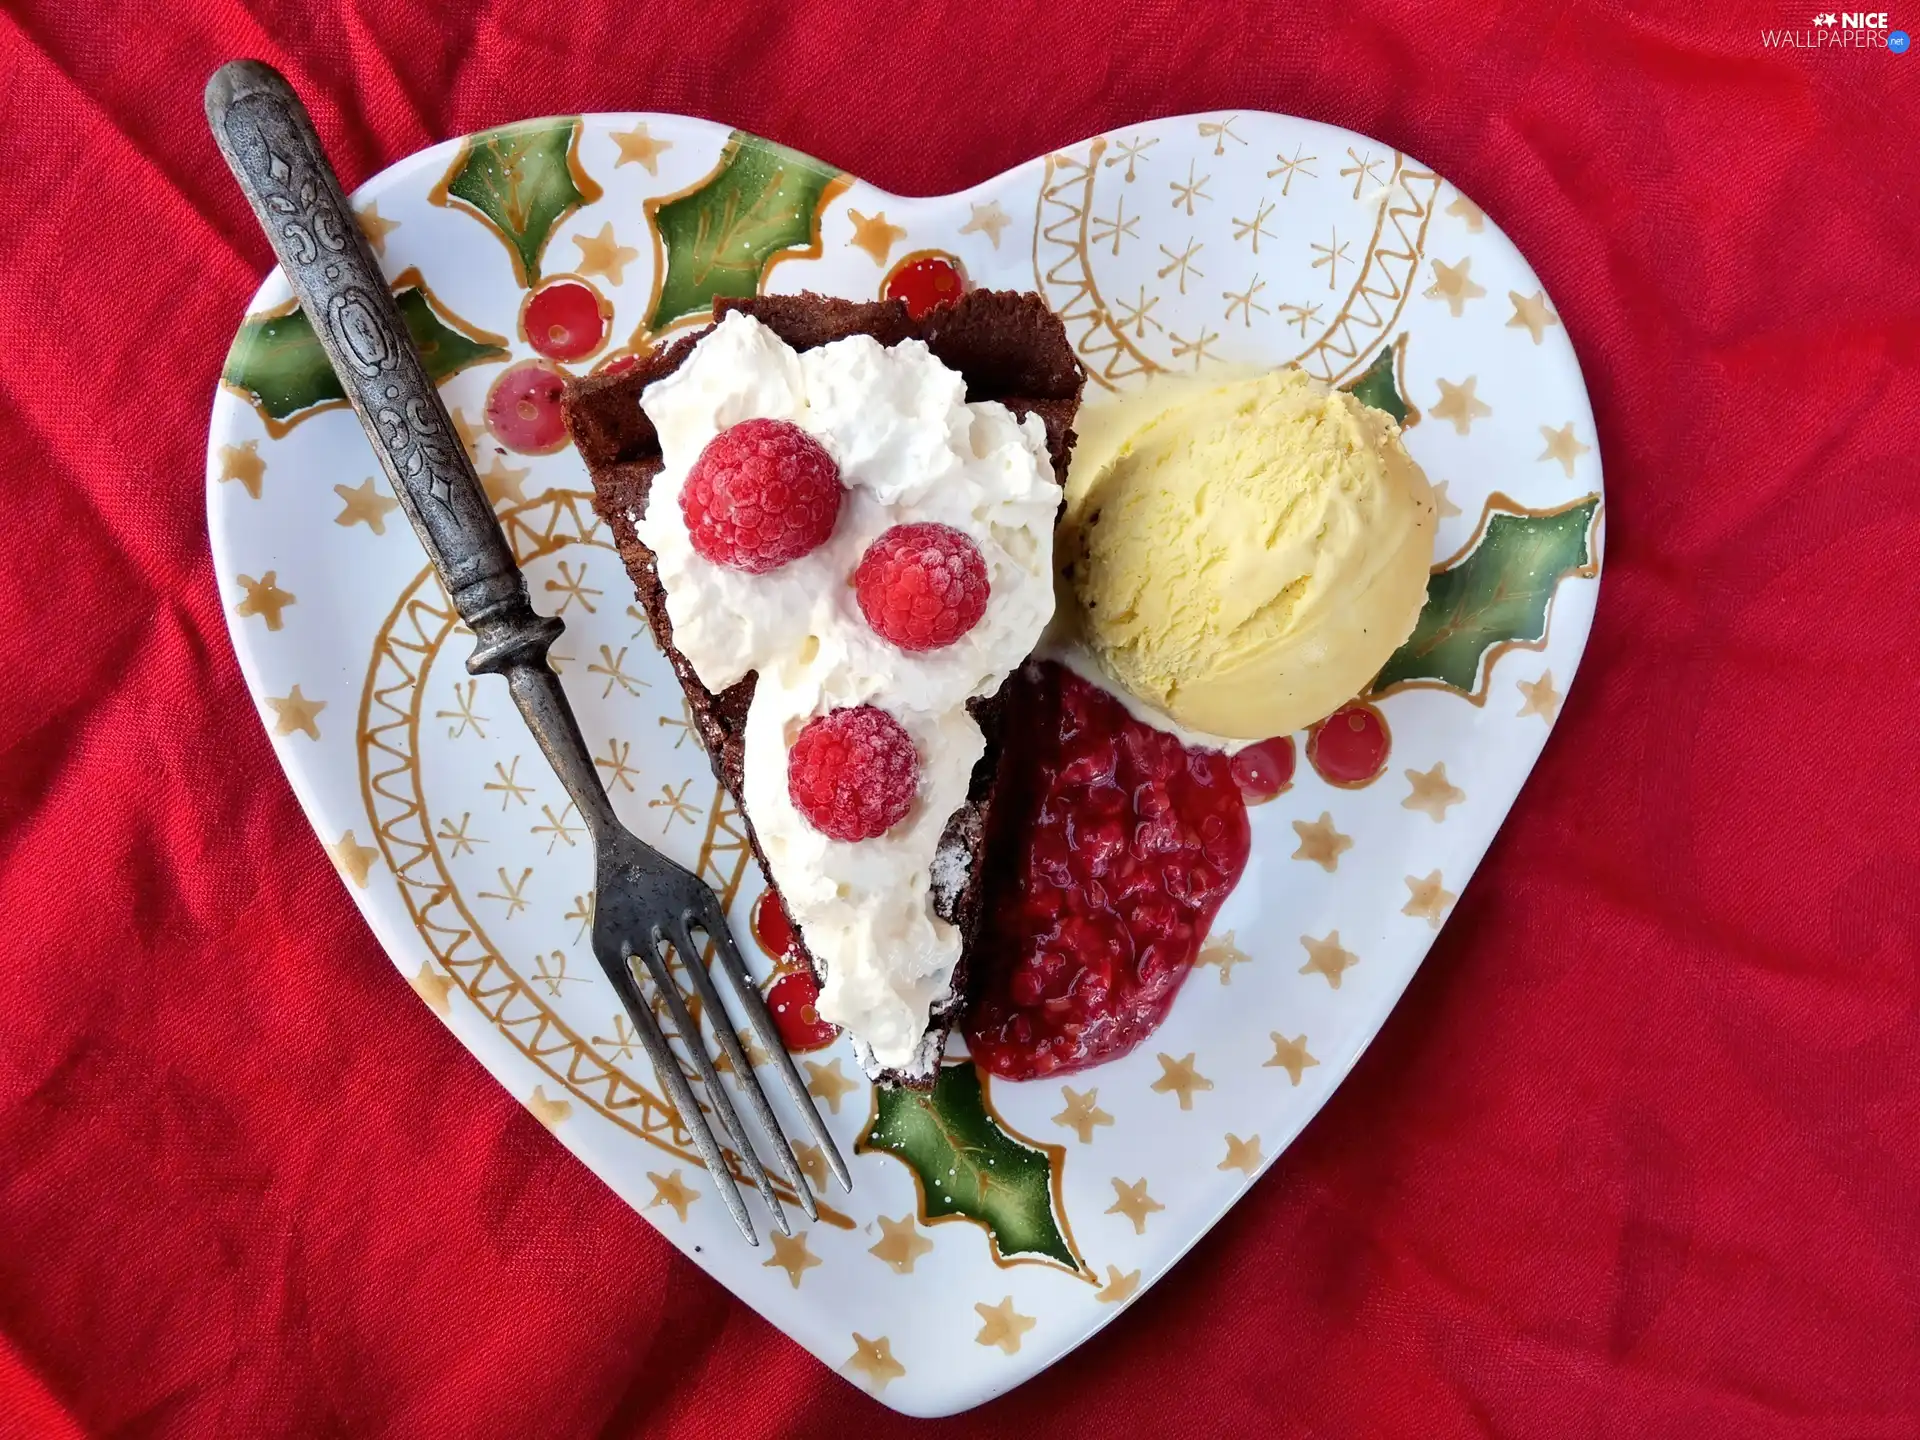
(1008,347)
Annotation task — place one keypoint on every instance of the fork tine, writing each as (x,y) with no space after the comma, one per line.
(714,921)
(729,1042)
(703,1062)
(620,972)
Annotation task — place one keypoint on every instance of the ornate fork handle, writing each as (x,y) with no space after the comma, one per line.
(269,141)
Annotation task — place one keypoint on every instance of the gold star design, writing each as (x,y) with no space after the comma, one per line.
(1300,316)
(1220,131)
(670,1189)
(1432,792)
(1331,254)
(1133,1202)
(874,1359)
(1468,211)
(1196,347)
(264,598)
(433,987)
(1459,404)
(1183,262)
(900,1242)
(459,839)
(1287,168)
(603,255)
(468,432)
(1082,1113)
(1178,1077)
(376,227)
(988,220)
(1133,151)
(811,1158)
(1290,1056)
(1453,284)
(1137,314)
(874,235)
(1327,957)
(353,859)
(1530,313)
(512,892)
(508,785)
(364,503)
(1542,699)
(1320,842)
(1245,302)
(503,483)
(242,462)
(1562,446)
(294,711)
(1185,195)
(755,1053)
(790,1254)
(639,148)
(1443,505)
(1427,899)
(1002,1325)
(828,1083)
(1224,953)
(550,1112)
(622,1041)
(1118,1287)
(1242,1155)
(1252,230)
(1362,171)
(1118,228)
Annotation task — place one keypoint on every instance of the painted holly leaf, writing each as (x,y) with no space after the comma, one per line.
(1496,594)
(967,1165)
(761,200)
(523,180)
(1374,386)
(277,363)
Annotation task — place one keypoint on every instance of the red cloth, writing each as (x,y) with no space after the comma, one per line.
(1638,1155)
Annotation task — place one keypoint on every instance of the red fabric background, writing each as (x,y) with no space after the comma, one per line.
(1638,1155)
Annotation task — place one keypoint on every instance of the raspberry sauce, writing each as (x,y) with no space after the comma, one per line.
(1116,847)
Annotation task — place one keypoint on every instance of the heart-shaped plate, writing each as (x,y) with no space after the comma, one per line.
(995,1226)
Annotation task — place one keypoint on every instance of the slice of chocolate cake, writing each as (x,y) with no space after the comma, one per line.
(1009,349)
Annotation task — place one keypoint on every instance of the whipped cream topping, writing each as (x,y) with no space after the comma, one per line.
(909,448)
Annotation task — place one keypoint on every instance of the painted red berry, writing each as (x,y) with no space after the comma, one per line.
(523,408)
(565,320)
(773,929)
(1349,748)
(763,493)
(922,586)
(1265,770)
(853,773)
(794,999)
(926,281)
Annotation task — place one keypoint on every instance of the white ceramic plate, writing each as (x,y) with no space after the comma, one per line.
(1177,245)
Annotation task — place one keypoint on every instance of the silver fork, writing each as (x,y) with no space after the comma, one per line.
(644,900)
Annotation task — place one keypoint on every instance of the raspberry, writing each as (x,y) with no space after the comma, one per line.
(762,493)
(922,586)
(853,773)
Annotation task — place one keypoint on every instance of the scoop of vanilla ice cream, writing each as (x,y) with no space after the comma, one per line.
(1245,556)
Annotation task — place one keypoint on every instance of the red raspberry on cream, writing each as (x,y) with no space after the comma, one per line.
(853,773)
(762,493)
(922,586)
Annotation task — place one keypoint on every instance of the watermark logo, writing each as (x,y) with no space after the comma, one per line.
(1841,30)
